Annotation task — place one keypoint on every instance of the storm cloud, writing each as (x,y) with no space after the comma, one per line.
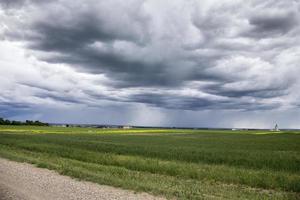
(170,55)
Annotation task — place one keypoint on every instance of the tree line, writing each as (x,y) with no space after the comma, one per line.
(27,122)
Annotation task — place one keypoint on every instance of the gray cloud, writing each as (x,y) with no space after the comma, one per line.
(18,4)
(12,3)
(233,55)
(267,25)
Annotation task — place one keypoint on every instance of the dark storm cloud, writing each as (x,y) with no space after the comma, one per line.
(126,71)
(17,4)
(72,35)
(11,3)
(12,109)
(172,101)
(143,45)
(59,98)
(266,92)
(267,25)
(73,39)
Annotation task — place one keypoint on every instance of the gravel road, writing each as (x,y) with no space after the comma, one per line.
(21,181)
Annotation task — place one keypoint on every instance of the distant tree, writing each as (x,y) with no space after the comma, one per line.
(1,121)
(27,122)
(4,121)
(16,123)
(38,123)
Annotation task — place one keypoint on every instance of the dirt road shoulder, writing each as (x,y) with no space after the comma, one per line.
(22,181)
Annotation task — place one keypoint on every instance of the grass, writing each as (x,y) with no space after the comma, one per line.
(181,164)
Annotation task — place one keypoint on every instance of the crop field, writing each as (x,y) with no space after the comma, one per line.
(176,164)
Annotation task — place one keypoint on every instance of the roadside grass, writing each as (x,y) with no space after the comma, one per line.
(183,164)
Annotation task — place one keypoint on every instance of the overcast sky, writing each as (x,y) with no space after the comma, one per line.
(229,63)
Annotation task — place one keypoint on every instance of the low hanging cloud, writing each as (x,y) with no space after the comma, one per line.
(178,55)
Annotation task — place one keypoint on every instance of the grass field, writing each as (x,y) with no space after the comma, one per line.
(181,164)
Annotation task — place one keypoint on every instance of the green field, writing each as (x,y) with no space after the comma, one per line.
(180,164)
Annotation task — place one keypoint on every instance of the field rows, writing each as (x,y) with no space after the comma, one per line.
(185,164)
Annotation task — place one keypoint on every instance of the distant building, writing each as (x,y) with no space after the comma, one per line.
(127,127)
(58,125)
(276,128)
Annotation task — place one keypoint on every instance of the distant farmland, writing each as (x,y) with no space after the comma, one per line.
(180,164)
